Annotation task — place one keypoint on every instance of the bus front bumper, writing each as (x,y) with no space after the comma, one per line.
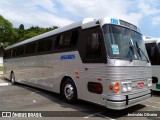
(124,101)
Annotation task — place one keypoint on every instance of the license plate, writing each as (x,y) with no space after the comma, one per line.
(158,86)
(140,85)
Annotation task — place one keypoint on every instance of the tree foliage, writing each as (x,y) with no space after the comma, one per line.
(10,35)
(7,33)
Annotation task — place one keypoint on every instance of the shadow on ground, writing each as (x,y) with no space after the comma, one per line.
(82,108)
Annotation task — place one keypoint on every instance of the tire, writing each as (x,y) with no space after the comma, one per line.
(12,78)
(69,91)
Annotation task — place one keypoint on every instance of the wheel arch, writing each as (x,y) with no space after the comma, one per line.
(64,79)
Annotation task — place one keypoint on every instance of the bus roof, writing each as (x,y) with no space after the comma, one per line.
(86,23)
(151,40)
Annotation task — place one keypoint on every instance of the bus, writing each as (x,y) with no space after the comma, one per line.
(103,61)
(153,50)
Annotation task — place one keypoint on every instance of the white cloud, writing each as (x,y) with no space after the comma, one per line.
(149,7)
(32,12)
(47,13)
(102,8)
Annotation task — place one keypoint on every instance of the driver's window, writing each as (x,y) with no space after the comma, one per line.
(93,50)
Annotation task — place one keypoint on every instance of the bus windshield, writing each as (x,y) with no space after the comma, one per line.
(124,43)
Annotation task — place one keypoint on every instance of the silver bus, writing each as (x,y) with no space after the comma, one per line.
(103,61)
(153,50)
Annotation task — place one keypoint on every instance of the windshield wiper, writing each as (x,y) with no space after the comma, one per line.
(139,49)
(131,48)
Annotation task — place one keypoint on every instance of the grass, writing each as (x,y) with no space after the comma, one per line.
(1,68)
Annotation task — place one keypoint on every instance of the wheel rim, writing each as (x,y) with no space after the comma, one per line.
(69,91)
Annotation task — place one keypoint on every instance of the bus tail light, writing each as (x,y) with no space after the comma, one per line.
(126,86)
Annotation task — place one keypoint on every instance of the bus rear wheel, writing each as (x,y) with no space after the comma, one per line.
(69,91)
(12,78)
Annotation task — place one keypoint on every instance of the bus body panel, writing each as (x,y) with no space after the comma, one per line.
(47,72)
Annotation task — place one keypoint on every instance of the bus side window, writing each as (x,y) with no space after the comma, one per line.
(45,45)
(20,51)
(74,39)
(14,52)
(31,48)
(66,41)
(93,50)
(63,41)
(7,53)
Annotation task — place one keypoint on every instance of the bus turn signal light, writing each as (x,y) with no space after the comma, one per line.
(115,87)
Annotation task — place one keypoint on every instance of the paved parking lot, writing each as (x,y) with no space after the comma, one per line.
(24,98)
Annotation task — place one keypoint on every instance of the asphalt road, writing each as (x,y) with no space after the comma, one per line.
(20,98)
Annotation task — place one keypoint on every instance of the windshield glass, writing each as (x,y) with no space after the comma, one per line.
(124,43)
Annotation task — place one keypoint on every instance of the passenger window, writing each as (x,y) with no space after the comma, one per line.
(74,39)
(45,45)
(14,52)
(93,50)
(30,48)
(63,41)
(20,51)
(7,54)
(67,40)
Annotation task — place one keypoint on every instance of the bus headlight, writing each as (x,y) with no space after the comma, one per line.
(126,86)
(149,81)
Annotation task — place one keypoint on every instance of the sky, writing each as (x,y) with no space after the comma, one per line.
(47,13)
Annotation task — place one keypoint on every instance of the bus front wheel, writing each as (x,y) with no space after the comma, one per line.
(69,91)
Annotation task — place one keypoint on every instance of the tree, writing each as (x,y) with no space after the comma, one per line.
(21,27)
(32,31)
(21,31)
(10,35)
(7,33)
